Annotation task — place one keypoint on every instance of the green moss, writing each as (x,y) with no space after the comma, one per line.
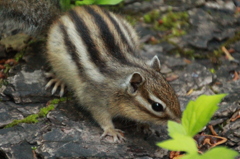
(56,101)
(19,55)
(189,53)
(33,118)
(132,20)
(171,21)
(7,68)
(29,119)
(44,111)
(175,22)
(217,52)
(151,16)
(147,18)
(232,40)
(185,52)
(212,70)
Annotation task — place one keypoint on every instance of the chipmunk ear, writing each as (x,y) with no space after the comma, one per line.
(155,63)
(134,82)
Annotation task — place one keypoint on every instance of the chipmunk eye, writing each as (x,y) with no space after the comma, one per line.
(157,107)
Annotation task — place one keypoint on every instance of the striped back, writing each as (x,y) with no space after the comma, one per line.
(95,39)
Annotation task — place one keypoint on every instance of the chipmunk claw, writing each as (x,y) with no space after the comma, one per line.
(56,83)
(147,130)
(116,134)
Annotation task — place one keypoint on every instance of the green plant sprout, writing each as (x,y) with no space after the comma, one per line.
(34,148)
(67,4)
(175,22)
(197,114)
(99,2)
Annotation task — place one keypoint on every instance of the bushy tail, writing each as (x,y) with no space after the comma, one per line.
(32,17)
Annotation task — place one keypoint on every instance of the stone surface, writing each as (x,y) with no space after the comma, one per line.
(68,133)
(16,42)
(2,51)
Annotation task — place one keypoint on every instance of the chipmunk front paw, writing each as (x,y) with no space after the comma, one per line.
(55,82)
(147,130)
(116,134)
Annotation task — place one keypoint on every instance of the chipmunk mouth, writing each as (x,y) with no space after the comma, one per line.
(164,121)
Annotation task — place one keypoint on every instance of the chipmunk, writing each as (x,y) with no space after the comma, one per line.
(95,53)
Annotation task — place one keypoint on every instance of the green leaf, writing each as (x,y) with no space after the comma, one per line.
(65,4)
(108,2)
(191,156)
(220,153)
(199,112)
(174,127)
(215,153)
(84,2)
(180,143)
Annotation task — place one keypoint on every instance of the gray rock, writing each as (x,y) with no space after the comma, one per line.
(2,51)
(236,47)
(69,133)
(136,6)
(207,27)
(26,87)
(221,5)
(203,28)
(237,3)
(195,76)
(231,130)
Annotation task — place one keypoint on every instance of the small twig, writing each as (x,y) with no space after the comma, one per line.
(212,130)
(190,92)
(228,55)
(235,116)
(236,76)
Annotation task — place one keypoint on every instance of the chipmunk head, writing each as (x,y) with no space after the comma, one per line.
(150,97)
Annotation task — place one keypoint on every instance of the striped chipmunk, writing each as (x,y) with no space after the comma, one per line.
(95,53)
